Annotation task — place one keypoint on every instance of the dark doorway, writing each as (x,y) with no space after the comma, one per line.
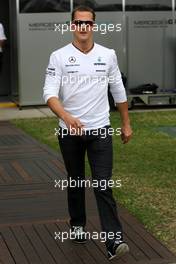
(5,73)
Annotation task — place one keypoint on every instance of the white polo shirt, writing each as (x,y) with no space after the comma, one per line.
(2,35)
(80,81)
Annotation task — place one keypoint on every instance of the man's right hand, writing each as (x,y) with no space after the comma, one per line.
(70,121)
(73,124)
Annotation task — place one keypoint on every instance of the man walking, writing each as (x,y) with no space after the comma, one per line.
(75,91)
(2,40)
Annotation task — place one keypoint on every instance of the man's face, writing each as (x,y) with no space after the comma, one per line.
(83,31)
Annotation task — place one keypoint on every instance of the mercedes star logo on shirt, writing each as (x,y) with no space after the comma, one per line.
(72,59)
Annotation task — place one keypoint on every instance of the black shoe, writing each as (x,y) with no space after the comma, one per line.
(78,234)
(117,249)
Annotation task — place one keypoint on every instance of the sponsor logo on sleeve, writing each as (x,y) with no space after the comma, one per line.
(51,71)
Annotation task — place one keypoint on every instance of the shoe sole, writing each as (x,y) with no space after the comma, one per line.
(79,242)
(120,251)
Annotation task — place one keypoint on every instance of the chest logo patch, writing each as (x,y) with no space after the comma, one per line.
(72,59)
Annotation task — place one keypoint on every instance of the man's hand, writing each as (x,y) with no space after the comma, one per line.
(126,133)
(73,124)
(70,121)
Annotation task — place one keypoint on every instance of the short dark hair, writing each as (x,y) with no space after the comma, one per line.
(83,8)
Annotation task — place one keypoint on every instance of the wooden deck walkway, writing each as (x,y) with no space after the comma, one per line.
(32,210)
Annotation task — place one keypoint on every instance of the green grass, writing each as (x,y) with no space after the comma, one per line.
(146,167)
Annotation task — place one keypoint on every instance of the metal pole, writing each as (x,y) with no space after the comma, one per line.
(123,5)
(71,5)
(173,6)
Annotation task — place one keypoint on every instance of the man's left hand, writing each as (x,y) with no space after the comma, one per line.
(126,133)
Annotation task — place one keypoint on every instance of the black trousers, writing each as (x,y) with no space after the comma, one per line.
(100,156)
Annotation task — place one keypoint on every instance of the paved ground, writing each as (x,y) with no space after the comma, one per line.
(29,112)
(12,113)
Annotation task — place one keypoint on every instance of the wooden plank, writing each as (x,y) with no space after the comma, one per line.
(23,195)
(26,245)
(94,225)
(31,205)
(60,165)
(20,170)
(44,221)
(160,249)
(19,149)
(96,248)
(158,261)
(50,243)
(7,131)
(8,140)
(57,174)
(47,170)
(143,250)
(27,187)
(27,206)
(13,246)
(85,256)
(5,256)
(40,248)
(2,141)
(12,173)
(4,176)
(37,175)
(22,139)
(45,174)
(17,139)
(28,156)
(66,247)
